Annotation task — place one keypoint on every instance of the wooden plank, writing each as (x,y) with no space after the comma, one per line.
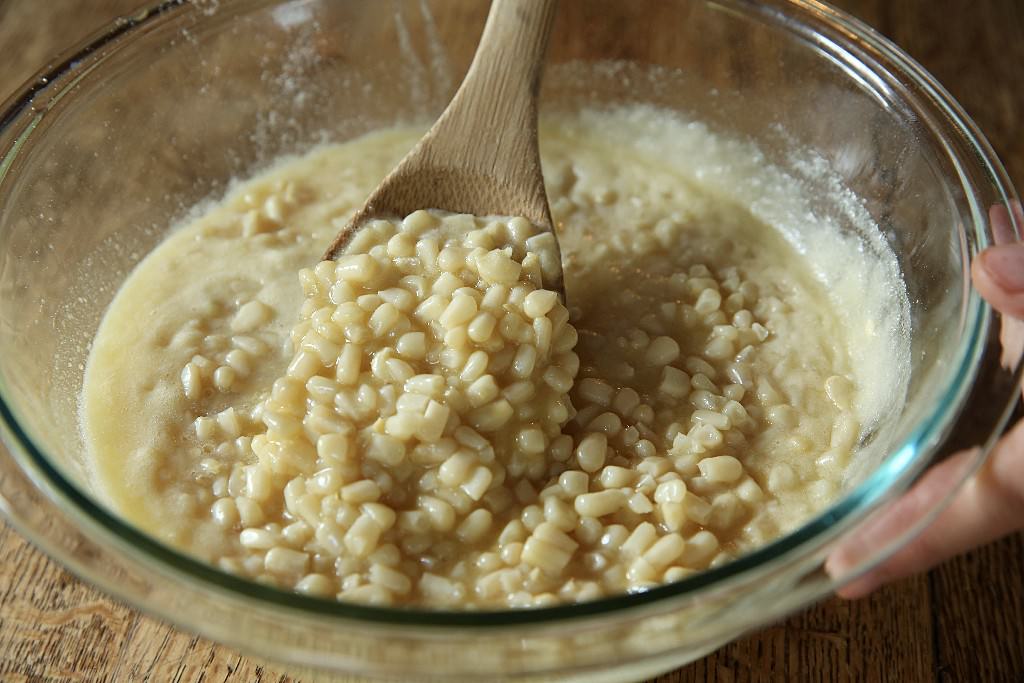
(884,637)
(978,611)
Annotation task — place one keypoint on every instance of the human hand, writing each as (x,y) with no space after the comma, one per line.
(991,504)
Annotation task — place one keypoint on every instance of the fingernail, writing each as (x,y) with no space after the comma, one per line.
(1005,265)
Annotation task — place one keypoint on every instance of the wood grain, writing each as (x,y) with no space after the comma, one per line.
(962,622)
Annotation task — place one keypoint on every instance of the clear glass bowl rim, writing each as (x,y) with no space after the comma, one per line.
(857,503)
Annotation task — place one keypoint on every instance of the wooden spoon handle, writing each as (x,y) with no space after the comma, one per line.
(481,155)
(491,123)
(506,69)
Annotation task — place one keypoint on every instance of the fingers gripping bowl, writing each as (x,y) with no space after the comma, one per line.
(115,146)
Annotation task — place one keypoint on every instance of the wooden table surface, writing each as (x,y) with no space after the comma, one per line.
(961,622)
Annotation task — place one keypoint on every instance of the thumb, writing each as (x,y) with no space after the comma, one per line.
(998,273)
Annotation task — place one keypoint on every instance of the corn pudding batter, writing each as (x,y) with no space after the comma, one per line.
(422,422)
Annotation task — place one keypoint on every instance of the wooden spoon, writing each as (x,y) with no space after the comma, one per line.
(481,155)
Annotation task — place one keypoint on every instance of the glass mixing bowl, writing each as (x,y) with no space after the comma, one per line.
(105,149)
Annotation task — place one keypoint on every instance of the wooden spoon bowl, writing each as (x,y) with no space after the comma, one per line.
(481,156)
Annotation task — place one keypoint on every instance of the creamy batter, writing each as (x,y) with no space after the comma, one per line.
(697,398)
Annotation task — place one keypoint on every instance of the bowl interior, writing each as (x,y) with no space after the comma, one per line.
(153,126)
